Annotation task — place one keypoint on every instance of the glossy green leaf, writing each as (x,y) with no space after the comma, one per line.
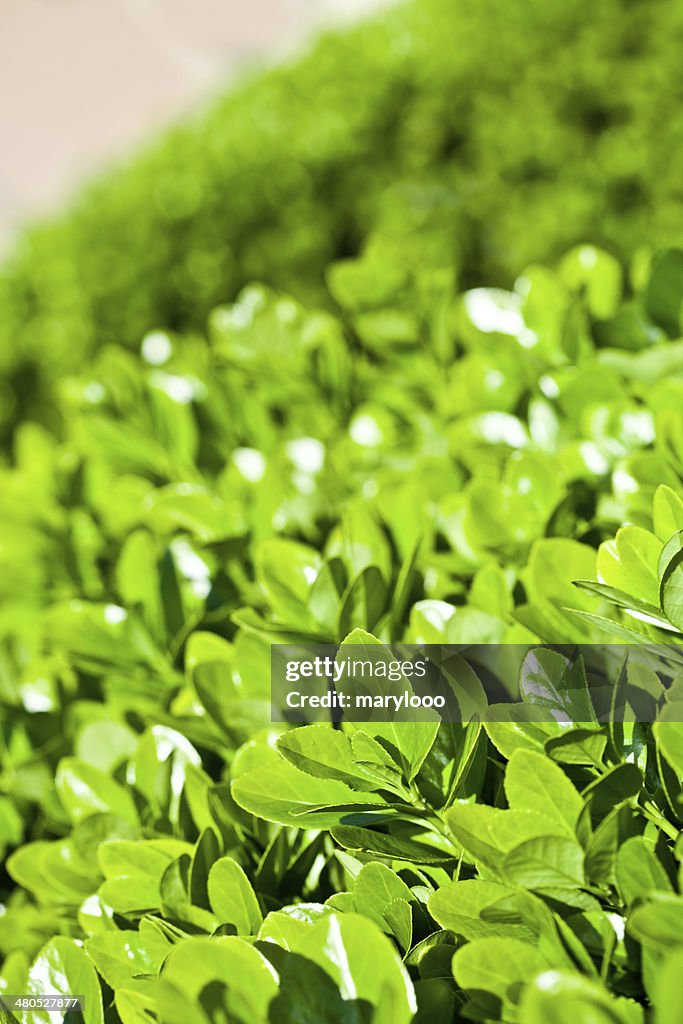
(232,898)
(567,998)
(62,968)
(545,862)
(198,969)
(363,963)
(671,579)
(85,790)
(282,793)
(533,783)
(497,966)
(639,872)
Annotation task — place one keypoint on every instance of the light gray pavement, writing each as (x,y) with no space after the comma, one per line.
(85,81)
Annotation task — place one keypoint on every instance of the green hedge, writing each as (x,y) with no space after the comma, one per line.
(378,442)
(418,466)
(519,128)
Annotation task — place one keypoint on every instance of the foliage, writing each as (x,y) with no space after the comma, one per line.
(444,120)
(396,437)
(420,465)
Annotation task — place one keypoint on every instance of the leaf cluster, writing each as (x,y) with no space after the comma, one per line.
(421,465)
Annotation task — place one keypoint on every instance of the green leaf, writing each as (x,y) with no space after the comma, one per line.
(202,971)
(206,853)
(647,612)
(533,783)
(138,580)
(53,871)
(361,283)
(429,621)
(668,731)
(629,563)
(133,872)
(667,512)
(394,847)
(363,964)
(621,783)
(577,746)
(62,968)
(639,872)
(656,922)
(486,833)
(409,742)
(596,272)
(671,579)
(121,957)
(285,926)
(134,1007)
(232,898)
(490,590)
(363,602)
(530,733)
(104,745)
(554,563)
(461,908)
(282,793)
(287,571)
(436,1001)
(361,542)
(84,790)
(177,897)
(568,998)
(376,763)
(192,508)
(378,894)
(326,593)
(603,846)
(545,862)
(498,966)
(322,752)
(398,920)
(665,291)
(668,996)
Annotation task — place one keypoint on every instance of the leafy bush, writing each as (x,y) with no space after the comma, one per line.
(441,113)
(396,437)
(418,465)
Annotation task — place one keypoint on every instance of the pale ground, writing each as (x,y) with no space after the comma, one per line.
(84,81)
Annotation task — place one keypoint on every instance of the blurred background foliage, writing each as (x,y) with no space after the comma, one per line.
(486,119)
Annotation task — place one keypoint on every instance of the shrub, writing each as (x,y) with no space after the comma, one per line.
(485,119)
(418,465)
(435,420)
